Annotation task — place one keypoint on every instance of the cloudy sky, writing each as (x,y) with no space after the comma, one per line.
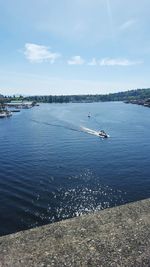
(74,46)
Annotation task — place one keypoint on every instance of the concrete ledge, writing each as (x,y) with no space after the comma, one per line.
(118,236)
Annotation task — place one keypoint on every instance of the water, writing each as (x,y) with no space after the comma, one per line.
(52,170)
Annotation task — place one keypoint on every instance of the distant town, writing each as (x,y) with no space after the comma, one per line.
(7,108)
(10,104)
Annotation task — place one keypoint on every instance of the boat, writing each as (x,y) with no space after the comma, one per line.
(100,133)
(15,110)
(103,134)
(3,115)
(89,115)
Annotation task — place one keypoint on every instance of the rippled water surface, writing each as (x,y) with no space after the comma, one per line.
(51,170)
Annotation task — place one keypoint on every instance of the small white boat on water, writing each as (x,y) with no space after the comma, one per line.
(15,110)
(101,133)
(3,115)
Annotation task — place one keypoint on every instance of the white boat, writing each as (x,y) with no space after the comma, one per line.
(101,133)
(15,110)
(3,115)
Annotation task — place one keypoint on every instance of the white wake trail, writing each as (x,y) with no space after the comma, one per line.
(89,131)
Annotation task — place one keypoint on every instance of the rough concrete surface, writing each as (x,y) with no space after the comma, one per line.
(118,236)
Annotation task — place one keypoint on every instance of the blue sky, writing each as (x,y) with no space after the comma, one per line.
(74,46)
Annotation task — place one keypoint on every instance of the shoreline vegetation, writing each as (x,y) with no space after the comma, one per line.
(137,96)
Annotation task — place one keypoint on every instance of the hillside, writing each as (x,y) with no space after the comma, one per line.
(138,94)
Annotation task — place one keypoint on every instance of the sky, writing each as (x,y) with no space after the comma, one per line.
(74,46)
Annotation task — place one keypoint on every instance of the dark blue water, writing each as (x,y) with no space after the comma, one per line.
(50,170)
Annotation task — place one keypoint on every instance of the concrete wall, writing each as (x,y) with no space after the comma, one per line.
(118,236)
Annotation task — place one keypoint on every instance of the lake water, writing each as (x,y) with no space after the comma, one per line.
(51,170)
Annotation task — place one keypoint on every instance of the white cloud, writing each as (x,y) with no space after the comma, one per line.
(93,62)
(127,24)
(76,60)
(118,62)
(39,53)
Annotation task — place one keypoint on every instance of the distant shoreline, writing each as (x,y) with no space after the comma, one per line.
(138,96)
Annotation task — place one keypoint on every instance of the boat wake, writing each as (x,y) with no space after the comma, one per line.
(58,125)
(89,131)
(81,129)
